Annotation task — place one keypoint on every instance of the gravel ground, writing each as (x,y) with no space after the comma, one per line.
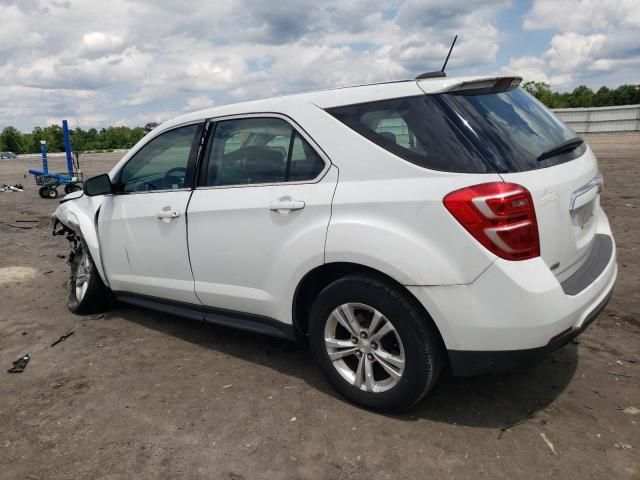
(138,394)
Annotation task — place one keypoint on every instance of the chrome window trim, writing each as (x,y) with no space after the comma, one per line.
(319,151)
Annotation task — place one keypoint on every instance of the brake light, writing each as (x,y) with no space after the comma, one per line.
(499,215)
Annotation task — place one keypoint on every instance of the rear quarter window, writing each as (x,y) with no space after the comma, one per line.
(417,130)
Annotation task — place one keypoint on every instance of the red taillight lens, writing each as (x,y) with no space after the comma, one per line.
(501,216)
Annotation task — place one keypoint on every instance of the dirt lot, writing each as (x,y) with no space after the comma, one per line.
(140,395)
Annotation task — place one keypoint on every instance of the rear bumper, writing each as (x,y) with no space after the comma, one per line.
(516,312)
(469,363)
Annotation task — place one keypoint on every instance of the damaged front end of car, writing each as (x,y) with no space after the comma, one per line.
(76,218)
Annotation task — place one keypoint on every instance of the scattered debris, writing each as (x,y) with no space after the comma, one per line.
(48,272)
(60,255)
(622,446)
(631,411)
(549,444)
(620,374)
(62,338)
(20,364)
(27,221)
(292,419)
(24,227)
(11,188)
(95,317)
(227,386)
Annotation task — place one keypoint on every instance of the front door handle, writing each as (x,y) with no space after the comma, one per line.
(285,205)
(167,214)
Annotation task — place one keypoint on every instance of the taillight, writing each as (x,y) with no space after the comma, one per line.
(501,216)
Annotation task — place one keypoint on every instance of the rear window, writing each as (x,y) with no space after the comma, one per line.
(512,129)
(469,132)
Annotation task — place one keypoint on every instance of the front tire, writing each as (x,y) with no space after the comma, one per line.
(86,293)
(374,343)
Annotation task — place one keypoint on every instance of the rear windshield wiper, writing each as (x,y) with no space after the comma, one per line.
(563,147)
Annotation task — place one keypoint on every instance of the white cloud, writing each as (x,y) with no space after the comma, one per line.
(96,44)
(583,15)
(570,51)
(596,42)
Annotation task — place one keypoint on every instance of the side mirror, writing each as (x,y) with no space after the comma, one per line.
(98,185)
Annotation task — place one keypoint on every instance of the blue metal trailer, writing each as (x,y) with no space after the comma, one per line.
(50,181)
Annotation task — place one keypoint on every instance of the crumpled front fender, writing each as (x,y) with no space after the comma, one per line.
(80,215)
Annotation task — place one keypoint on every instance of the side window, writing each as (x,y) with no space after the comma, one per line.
(418,129)
(306,164)
(161,164)
(259,150)
(392,128)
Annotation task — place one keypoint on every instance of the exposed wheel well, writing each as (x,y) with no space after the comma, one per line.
(318,278)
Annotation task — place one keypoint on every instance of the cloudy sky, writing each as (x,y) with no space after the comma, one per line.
(101,62)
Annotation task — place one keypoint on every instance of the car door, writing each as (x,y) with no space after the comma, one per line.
(258,219)
(142,227)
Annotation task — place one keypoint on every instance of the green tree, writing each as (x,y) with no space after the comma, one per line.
(11,139)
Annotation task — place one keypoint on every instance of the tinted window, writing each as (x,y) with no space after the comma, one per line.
(259,150)
(161,164)
(306,164)
(512,128)
(416,129)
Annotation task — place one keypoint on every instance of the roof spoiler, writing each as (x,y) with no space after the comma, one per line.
(472,85)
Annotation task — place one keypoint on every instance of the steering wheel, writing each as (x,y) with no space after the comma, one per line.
(171,174)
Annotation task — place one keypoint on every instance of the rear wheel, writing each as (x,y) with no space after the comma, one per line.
(86,293)
(374,343)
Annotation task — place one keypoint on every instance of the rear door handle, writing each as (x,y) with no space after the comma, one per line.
(286,205)
(167,214)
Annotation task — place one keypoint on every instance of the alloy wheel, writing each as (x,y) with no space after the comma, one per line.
(364,347)
(83,273)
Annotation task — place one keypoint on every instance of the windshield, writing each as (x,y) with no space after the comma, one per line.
(512,129)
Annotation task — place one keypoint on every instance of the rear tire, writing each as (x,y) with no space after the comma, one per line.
(397,368)
(51,193)
(86,293)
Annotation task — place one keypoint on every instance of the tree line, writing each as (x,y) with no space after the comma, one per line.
(583,96)
(110,138)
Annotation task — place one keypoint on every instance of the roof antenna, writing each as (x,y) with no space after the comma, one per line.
(449,54)
(441,73)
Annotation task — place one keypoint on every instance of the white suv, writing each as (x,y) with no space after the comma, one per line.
(401,227)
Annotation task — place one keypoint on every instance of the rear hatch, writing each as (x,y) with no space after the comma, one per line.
(526,144)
